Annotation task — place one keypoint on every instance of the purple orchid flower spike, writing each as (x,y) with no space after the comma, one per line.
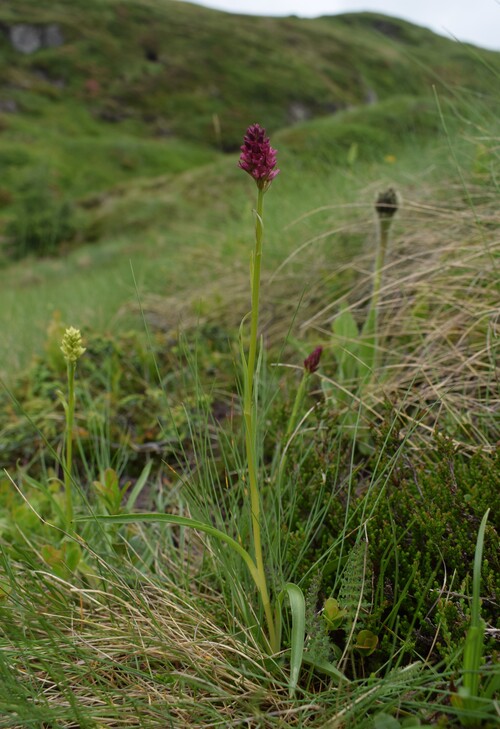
(257,157)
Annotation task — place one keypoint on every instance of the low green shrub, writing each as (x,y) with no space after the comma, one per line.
(423,531)
(422,518)
(124,413)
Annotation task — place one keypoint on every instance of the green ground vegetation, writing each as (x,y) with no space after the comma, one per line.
(373,501)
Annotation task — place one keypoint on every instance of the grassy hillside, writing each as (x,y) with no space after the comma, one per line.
(161,226)
(169,67)
(139,88)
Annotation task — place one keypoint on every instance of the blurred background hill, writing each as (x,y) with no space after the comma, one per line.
(120,123)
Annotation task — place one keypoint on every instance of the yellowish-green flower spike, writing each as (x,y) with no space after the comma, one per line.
(71,345)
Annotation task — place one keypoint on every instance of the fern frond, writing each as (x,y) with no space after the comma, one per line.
(355,589)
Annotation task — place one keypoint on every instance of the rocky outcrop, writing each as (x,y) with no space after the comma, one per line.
(298,112)
(8,106)
(26,38)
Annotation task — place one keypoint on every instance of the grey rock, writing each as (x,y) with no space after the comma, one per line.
(52,36)
(298,112)
(332,107)
(57,83)
(8,105)
(26,38)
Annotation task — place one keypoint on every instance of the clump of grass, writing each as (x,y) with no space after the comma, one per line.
(110,644)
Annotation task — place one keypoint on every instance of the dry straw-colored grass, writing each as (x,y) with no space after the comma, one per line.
(440,321)
(155,653)
(152,655)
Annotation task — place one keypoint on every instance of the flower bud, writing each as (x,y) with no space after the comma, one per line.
(311,363)
(387,203)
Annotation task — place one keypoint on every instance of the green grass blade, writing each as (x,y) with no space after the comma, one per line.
(476,583)
(473,652)
(492,686)
(346,344)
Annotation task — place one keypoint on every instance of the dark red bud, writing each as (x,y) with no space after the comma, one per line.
(311,363)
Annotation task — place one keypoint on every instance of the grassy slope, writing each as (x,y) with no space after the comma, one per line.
(97,110)
(157,654)
(149,187)
(163,226)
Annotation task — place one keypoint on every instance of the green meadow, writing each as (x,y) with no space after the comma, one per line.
(259,484)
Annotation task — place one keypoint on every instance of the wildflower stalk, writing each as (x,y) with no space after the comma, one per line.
(250,414)
(258,158)
(311,364)
(72,350)
(384,227)
(385,206)
(70,413)
(256,266)
(299,397)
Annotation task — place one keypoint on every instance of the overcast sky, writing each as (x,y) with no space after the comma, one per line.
(474,21)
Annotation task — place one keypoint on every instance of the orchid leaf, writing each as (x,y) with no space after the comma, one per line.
(298,608)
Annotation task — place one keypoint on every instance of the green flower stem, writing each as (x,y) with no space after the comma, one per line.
(256,265)
(70,411)
(250,412)
(385,225)
(299,398)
